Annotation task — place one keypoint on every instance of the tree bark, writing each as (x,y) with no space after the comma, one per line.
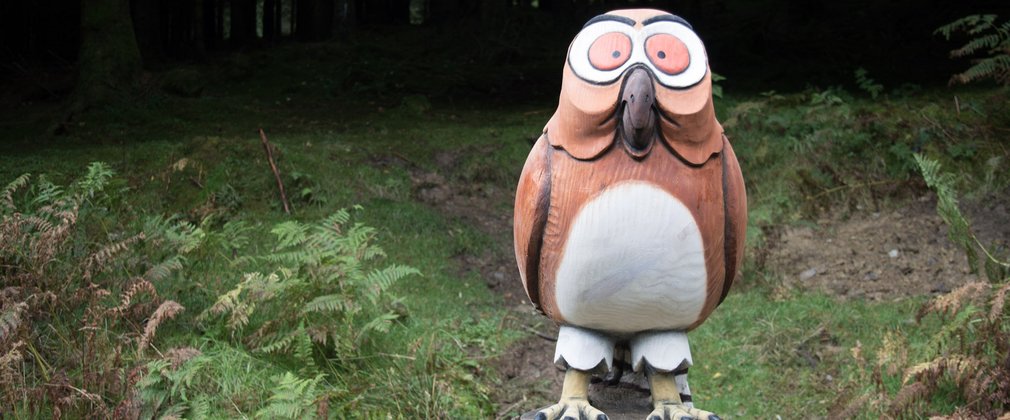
(110,59)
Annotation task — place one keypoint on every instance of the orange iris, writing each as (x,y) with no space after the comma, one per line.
(667,53)
(610,51)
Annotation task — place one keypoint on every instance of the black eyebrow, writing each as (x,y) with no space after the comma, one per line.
(667,18)
(601,18)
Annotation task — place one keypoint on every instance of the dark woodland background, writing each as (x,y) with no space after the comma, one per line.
(758,45)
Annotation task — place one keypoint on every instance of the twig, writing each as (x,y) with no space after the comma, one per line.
(277,174)
(398,356)
(540,334)
(502,413)
(938,126)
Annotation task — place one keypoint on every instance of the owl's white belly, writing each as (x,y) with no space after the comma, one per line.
(634,261)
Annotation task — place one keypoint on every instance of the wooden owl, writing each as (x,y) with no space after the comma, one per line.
(630,212)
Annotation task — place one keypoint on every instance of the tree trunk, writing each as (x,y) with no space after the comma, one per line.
(147,28)
(345,17)
(315,19)
(199,44)
(243,22)
(110,59)
(270,19)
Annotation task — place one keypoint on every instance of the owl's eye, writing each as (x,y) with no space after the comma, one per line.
(668,53)
(603,50)
(610,51)
(675,54)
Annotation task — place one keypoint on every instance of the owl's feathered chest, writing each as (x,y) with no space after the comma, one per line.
(621,233)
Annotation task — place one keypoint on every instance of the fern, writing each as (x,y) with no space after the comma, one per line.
(380,280)
(7,194)
(959,232)
(325,292)
(987,37)
(95,180)
(969,351)
(68,256)
(867,84)
(10,319)
(329,303)
(164,389)
(293,398)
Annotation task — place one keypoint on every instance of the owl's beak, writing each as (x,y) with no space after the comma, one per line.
(638,122)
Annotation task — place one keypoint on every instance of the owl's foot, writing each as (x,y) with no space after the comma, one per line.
(679,411)
(571,409)
(667,403)
(574,404)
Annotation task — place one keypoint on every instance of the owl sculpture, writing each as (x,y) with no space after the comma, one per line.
(630,212)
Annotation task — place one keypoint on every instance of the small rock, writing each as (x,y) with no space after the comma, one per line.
(871,276)
(893,253)
(498,275)
(807,275)
(940,288)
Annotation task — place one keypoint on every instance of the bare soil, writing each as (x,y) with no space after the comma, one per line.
(882,256)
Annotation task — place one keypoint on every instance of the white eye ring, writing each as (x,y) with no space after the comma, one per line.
(697,66)
(578,54)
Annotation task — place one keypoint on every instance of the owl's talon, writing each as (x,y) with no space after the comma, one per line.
(678,411)
(571,409)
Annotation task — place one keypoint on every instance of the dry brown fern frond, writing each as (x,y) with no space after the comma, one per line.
(958,367)
(951,303)
(893,354)
(998,302)
(167,310)
(850,409)
(100,258)
(9,369)
(7,196)
(135,289)
(908,395)
(10,319)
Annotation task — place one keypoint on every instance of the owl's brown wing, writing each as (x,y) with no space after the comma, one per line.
(530,218)
(735,200)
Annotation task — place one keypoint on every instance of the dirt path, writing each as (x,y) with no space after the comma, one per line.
(873,255)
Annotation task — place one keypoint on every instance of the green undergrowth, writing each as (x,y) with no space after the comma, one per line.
(198,162)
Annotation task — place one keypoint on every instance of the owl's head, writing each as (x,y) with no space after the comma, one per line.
(635,77)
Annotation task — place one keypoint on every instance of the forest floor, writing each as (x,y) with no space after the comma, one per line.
(844,242)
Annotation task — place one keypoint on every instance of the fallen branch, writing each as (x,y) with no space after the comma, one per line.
(277,173)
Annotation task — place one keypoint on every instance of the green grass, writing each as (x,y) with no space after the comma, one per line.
(760,355)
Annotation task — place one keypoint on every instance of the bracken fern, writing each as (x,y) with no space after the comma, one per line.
(969,352)
(73,301)
(987,37)
(323,299)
